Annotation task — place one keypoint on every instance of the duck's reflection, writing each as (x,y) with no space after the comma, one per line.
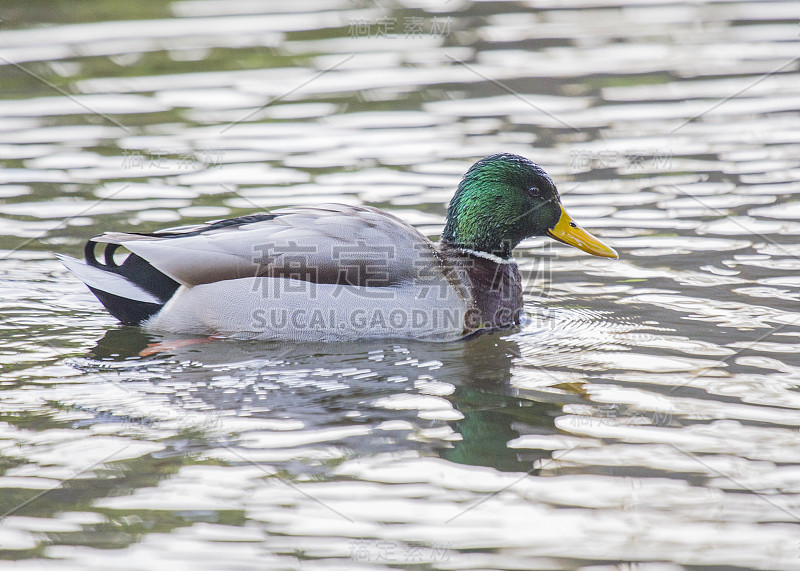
(329,385)
(494,413)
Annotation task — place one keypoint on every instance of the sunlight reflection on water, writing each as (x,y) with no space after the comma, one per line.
(647,410)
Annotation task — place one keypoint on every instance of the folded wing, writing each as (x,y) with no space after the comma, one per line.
(333,243)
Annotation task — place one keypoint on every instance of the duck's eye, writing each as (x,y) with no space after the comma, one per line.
(534,191)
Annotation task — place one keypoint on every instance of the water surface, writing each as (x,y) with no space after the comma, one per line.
(646,413)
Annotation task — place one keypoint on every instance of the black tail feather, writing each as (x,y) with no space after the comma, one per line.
(136,270)
(127,311)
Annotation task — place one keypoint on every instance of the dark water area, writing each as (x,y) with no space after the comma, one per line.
(644,416)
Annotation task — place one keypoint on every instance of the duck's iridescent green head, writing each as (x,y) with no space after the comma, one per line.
(504,199)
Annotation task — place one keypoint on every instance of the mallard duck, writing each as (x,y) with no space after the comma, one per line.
(337,272)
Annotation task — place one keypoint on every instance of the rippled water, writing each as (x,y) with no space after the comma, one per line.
(646,414)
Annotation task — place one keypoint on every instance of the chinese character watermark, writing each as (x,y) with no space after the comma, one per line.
(652,159)
(134,159)
(395,552)
(409,27)
(620,415)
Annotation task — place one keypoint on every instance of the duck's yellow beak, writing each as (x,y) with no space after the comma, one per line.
(570,233)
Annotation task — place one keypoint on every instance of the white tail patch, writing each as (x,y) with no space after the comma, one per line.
(106,281)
